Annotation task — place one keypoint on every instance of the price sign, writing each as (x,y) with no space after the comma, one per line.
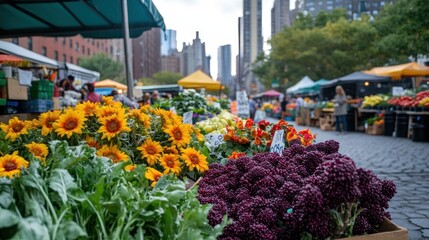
(187,117)
(242,103)
(25,77)
(214,139)
(173,109)
(203,91)
(278,142)
(397,91)
(216,105)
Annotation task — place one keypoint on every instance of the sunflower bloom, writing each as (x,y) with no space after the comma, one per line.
(39,150)
(194,159)
(179,134)
(15,128)
(141,117)
(130,168)
(171,163)
(72,121)
(90,141)
(10,165)
(113,125)
(170,150)
(113,153)
(89,108)
(151,150)
(110,102)
(153,175)
(46,120)
(107,111)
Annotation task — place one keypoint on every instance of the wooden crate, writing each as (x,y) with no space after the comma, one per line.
(375,130)
(327,127)
(387,230)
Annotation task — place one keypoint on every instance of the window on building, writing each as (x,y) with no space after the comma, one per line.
(71,59)
(382,3)
(71,44)
(64,41)
(98,44)
(76,47)
(64,58)
(44,51)
(329,7)
(30,43)
(55,39)
(111,50)
(15,40)
(375,12)
(88,51)
(83,49)
(56,55)
(329,2)
(320,3)
(93,42)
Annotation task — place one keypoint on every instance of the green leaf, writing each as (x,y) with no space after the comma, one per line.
(72,230)
(61,181)
(6,197)
(97,194)
(31,229)
(8,218)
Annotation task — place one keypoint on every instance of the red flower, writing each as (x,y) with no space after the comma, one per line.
(263,124)
(249,123)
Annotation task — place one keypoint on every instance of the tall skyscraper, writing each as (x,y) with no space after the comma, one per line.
(193,57)
(280,16)
(251,37)
(147,54)
(168,42)
(224,65)
(353,7)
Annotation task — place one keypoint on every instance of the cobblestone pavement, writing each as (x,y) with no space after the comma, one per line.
(399,159)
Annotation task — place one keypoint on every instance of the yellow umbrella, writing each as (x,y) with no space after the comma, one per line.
(110,84)
(397,72)
(198,80)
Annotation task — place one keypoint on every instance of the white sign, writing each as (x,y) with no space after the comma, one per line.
(203,91)
(173,109)
(397,91)
(214,139)
(242,103)
(25,77)
(187,117)
(216,105)
(259,116)
(278,144)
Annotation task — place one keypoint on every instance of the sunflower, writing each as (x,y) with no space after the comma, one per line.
(113,153)
(168,117)
(153,175)
(108,100)
(106,111)
(200,137)
(130,168)
(10,165)
(194,159)
(141,117)
(179,134)
(113,125)
(151,150)
(171,163)
(145,109)
(15,128)
(90,141)
(71,121)
(89,108)
(46,120)
(170,150)
(39,150)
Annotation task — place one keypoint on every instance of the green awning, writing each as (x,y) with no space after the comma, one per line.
(89,18)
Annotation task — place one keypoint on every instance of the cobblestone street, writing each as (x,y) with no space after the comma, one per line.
(399,159)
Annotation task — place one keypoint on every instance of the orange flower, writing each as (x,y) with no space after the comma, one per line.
(291,134)
(228,136)
(130,168)
(243,141)
(249,123)
(236,155)
(257,141)
(240,125)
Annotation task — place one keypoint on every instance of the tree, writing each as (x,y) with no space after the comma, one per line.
(404,27)
(108,68)
(162,78)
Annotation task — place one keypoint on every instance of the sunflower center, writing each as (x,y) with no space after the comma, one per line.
(151,150)
(156,177)
(49,122)
(9,166)
(112,126)
(170,163)
(70,124)
(194,159)
(17,127)
(112,156)
(36,151)
(177,134)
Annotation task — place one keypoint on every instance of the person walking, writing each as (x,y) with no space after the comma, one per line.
(91,95)
(340,109)
(252,107)
(283,105)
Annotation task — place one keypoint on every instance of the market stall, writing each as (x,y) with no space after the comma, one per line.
(200,80)
(303,83)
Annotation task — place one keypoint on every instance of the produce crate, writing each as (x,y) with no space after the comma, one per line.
(375,129)
(387,230)
(42,89)
(327,127)
(3,101)
(3,81)
(38,105)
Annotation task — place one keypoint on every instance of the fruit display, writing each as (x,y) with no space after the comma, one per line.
(218,123)
(409,101)
(374,100)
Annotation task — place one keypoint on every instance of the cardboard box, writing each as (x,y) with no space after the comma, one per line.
(327,127)
(387,230)
(15,91)
(375,130)
(299,121)
(20,116)
(57,103)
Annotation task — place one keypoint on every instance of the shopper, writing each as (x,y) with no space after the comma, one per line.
(283,105)
(340,109)
(91,95)
(252,107)
(123,99)
(155,97)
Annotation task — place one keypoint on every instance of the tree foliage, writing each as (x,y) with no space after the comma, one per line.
(162,78)
(108,68)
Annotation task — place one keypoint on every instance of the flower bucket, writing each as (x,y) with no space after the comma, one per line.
(387,230)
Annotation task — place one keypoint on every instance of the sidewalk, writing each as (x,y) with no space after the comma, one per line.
(399,159)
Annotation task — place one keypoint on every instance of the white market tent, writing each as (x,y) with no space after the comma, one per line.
(13,49)
(303,83)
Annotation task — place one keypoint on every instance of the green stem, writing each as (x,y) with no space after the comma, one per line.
(50,206)
(103,229)
(57,224)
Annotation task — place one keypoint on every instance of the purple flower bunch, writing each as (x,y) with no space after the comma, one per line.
(270,196)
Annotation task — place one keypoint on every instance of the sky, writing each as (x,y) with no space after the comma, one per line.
(215,20)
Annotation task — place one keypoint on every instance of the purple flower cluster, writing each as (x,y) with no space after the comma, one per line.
(270,196)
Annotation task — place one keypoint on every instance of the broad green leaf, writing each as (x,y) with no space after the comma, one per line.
(61,181)
(99,190)
(8,218)
(6,197)
(31,229)
(72,230)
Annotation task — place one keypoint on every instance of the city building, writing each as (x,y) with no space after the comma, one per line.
(224,65)
(280,16)
(63,49)
(168,42)
(353,7)
(251,44)
(170,63)
(147,54)
(193,57)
